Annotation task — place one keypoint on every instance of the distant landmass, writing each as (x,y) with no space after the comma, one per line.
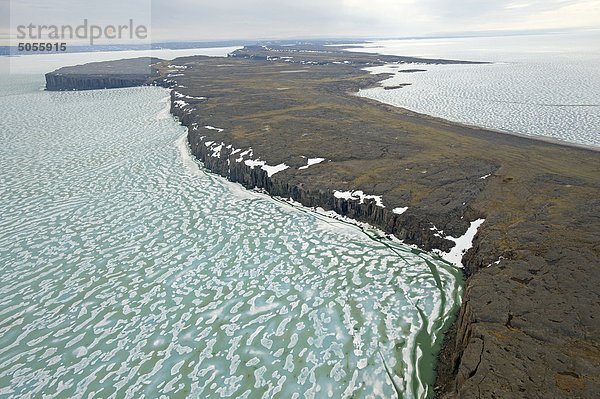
(12,50)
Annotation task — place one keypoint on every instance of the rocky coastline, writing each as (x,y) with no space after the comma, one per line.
(528,325)
(102,75)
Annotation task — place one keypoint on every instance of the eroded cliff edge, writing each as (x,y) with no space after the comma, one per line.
(528,325)
(103,75)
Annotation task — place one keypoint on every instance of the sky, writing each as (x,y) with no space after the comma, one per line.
(193,20)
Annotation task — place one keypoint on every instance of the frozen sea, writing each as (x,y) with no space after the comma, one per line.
(538,85)
(127,270)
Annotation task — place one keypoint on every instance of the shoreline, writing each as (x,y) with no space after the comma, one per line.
(371,232)
(538,193)
(458,124)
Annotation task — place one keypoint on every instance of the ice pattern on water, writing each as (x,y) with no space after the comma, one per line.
(537,85)
(126,271)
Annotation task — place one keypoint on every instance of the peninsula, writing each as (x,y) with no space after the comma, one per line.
(285,119)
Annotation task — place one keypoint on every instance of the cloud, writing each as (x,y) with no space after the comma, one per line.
(272,19)
(228,19)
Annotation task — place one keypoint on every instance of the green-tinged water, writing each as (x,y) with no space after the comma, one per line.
(127,271)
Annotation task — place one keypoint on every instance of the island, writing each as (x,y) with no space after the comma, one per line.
(284,119)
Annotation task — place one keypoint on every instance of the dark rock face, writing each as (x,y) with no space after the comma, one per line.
(103,75)
(57,82)
(527,335)
(411,227)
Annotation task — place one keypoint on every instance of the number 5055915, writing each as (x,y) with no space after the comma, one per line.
(42,47)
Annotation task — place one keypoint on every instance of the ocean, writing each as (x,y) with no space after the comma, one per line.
(546,86)
(128,270)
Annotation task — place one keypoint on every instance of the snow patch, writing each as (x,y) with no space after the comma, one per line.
(462,244)
(177,94)
(496,262)
(271,170)
(359,195)
(243,154)
(217,150)
(311,162)
(180,103)
(399,211)
(438,232)
(252,163)
(347,195)
(214,128)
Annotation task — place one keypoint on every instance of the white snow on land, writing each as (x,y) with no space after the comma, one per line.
(271,170)
(462,244)
(347,195)
(180,103)
(177,94)
(243,154)
(252,163)
(311,162)
(213,128)
(359,195)
(399,211)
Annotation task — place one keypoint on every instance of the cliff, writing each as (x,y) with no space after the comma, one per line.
(103,75)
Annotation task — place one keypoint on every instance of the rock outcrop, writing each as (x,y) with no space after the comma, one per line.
(103,75)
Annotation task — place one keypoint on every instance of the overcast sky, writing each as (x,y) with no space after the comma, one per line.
(280,19)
